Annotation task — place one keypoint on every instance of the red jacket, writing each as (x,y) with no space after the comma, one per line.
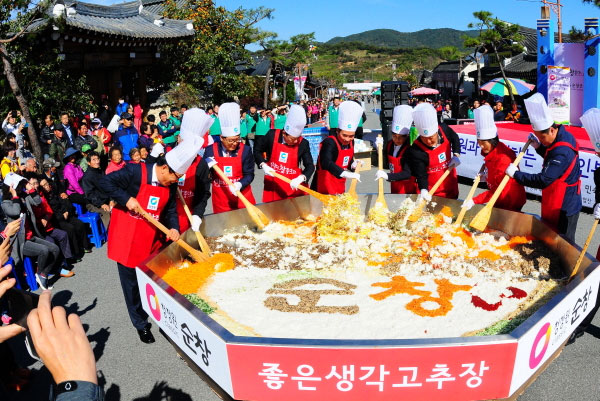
(513,196)
(44,211)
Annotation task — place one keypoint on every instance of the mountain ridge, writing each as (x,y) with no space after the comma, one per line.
(430,38)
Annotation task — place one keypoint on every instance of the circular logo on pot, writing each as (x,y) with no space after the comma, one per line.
(153,303)
(536,357)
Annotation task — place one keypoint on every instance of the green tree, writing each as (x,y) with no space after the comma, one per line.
(495,36)
(596,2)
(208,61)
(292,52)
(449,53)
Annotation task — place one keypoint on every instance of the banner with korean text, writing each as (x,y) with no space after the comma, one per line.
(559,93)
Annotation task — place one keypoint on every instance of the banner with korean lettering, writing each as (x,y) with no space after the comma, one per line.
(471,161)
(540,342)
(559,93)
(572,55)
(200,344)
(461,372)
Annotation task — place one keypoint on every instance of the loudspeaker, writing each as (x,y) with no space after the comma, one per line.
(393,93)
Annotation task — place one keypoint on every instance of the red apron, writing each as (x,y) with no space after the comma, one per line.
(408,186)
(187,185)
(284,160)
(439,158)
(329,184)
(222,198)
(131,239)
(554,194)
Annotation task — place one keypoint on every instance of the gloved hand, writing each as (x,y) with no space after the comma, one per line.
(454,162)
(468,204)
(157,149)
(511,170)
(535,142)
(235,188)
(267,169)
(196,221)
(350,175)
(425,195)
(483,177)
(211,162)
(381,174)
(379,141)
(355,164)
(597,211)
(297,181)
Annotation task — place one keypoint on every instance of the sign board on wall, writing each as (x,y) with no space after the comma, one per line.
(572,55)
(559,94)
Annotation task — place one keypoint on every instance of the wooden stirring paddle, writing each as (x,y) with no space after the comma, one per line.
(481,219)
(352,189)
(584,250)
(380,194)
(201,241)
(463,211)
(414,216)
(194,253)
(323,198)
(259,218)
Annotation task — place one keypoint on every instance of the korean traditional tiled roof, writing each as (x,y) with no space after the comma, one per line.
(134,19)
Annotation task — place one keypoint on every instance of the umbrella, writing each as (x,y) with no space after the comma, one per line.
(497,87)
(377,92)
(424,91)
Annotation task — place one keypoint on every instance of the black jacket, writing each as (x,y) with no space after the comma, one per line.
(91,183)
(125,183)
(265,145)
(202,191)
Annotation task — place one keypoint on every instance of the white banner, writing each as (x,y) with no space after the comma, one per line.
(543,339)
(572,55)
(299,86)
(559,94)
(200,344)
(471,161)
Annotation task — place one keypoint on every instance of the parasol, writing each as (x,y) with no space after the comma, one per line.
(424,91)
(497,87)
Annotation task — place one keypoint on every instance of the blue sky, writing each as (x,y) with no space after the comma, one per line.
(330,18)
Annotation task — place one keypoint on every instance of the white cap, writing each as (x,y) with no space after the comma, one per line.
(402,119)
(295,121)
(13,179)
(591,122)
(484,122)
(183,155)
(349,115)
(229,117)
(539,113)
(426,120)
(195,122)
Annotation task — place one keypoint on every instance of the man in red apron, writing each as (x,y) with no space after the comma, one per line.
(336,158)
(402,181)
(132,239)
(435,150)
(234,158)
(496,156)
(195,183)
(284,150)
(559,179)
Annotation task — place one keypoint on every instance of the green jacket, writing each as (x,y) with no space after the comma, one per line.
(215,128)
(333,117)
(243,128)
(280,121)
(263,126)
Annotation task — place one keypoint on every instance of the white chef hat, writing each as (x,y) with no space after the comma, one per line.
(349,115)
(13,179)
(182,156)
(195,122)
(426,120)
(229,117)
(295,121)
(591,122)
(402,119)
(539,113)
(484,122)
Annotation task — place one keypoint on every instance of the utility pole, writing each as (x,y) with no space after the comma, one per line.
(557,8)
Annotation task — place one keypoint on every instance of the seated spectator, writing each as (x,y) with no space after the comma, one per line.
(84,138)
(46,253)
(98,200)
(46,134)
(514,114)
(101,135)
(66,219)
(31,165)
(143,153)
(50,172)
(126,137)
(59,144)
(116,160)
(9,163)
(134,155)
(146,138)
(498,112)
(85,149)
(72,173)
(42,216)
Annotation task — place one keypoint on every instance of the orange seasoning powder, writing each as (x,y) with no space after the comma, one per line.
(189,280)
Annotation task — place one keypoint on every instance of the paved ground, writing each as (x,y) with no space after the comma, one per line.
(131,370)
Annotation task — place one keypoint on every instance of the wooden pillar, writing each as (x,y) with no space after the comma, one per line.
(140,89)
(115,87)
